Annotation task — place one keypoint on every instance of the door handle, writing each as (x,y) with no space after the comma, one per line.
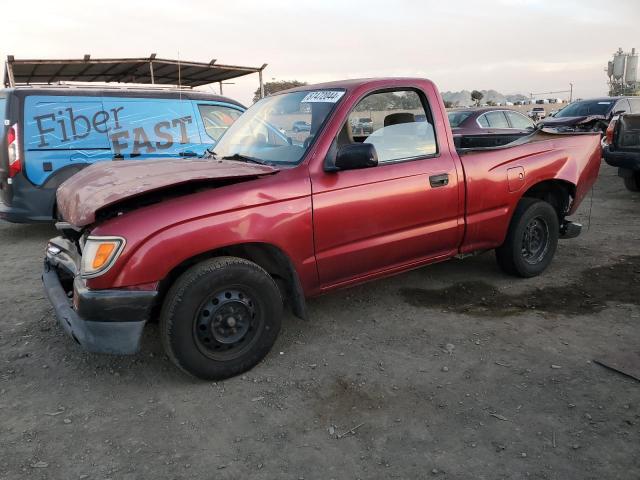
(440,180)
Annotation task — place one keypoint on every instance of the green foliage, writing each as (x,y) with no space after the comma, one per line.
(390,101)
(278,86)
(476,96)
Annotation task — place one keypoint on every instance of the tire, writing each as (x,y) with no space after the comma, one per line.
(633,182)
(532,239)
(220,318)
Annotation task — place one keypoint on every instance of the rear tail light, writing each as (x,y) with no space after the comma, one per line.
(15,163)
(610,129)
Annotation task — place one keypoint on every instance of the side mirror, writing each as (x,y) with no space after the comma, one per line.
(356,155)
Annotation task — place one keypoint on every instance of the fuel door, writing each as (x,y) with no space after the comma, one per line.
(515,177)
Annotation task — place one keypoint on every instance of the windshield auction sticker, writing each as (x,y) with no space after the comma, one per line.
(322,96)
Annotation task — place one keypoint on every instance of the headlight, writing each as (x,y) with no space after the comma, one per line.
(99,254)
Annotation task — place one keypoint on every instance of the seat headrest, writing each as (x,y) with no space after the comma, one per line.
(397,118)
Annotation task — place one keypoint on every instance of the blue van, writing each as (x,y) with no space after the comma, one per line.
(50,133)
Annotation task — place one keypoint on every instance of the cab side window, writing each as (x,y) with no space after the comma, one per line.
(396,123)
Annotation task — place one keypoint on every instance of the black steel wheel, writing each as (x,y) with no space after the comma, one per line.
(531,240)
(220,318)
(226,323)
(535,241)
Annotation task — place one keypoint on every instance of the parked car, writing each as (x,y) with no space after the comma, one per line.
(51,133)
(489,120)
(488,126)
(363,126)
(301,126)
(623,149)
(217,248)
(593,114)
(537,113)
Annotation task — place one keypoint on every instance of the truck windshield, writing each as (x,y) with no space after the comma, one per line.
(586,107)
(270,131)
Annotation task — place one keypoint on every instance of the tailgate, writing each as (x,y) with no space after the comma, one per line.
(5,188)
(627,133)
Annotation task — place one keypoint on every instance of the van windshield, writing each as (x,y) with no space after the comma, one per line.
(270,131)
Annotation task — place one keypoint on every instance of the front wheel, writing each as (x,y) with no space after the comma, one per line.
(531,240)
(220,318)
(633,182)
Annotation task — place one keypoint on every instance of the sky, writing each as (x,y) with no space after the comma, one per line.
(513,46)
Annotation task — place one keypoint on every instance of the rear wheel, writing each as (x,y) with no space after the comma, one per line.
(531,240)
(633,182)
(220,318)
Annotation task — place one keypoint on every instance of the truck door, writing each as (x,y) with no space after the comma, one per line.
(60,131)
(142,128)
(404,211)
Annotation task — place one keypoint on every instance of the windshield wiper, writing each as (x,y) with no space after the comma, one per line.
(243,158)
(209,153)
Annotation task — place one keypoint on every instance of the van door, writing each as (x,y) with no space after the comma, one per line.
(142,128)
(62,131)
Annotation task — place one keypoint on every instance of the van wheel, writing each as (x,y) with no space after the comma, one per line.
(220,318)
(633,182)
(531,240)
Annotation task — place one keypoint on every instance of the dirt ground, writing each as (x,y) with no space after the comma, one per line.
(453,371)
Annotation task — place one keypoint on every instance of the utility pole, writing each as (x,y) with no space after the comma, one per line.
(570,92)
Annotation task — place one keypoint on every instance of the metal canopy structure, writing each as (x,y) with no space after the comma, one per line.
(150,70)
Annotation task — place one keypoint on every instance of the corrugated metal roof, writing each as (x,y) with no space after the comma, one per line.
(150,70)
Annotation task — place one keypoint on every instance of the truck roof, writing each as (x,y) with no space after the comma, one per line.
(354,83)
(113,91)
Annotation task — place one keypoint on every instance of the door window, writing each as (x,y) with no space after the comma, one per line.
(496,119)
(622,105)
(519,121)
(395,123)
(635,105)
(217,119)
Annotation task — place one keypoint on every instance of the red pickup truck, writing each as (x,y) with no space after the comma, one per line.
(217,247)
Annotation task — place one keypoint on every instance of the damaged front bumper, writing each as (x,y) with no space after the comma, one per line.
(102,321)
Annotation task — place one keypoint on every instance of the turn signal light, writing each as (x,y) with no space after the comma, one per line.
(103,254)
(99,254)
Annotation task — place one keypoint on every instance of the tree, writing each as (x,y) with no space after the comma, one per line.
(491,103)
(448,104)
(476,96)
(278,86)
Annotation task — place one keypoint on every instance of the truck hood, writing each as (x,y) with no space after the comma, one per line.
(108,183)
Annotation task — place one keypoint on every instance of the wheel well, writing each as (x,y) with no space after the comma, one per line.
(558,193)
(270,258)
